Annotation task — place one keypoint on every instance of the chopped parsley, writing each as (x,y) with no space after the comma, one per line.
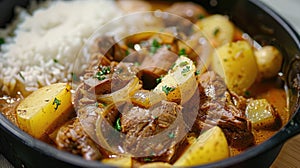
(197,72)
(184,63)
(130,45)
(247,93)
(216,31)
(137,63)
(158,80)
(127,52)
(168,46)
(185,70)
(171,135)
(201,16)
(105,70)
(147,159)
(74,76)
(167,89)
(173,65)
(182,52)
(2,41)
(100,75)
(22,77)
(154,46)
(56,102)
(55,60)
(118,126)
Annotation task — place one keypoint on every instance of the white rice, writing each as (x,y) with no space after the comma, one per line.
(46,43)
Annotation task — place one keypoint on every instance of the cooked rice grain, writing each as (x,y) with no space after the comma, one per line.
(46,43)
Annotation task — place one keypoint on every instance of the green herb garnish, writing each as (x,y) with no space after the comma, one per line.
(168,46)
(2,41)
(182,52)
(158,80)
(127,52)
(184,63)
(154,46)
(20,74)
(55,60)
(137,63)
(105,70)
(185,70)
(130,45)
(56,102)
(74,76)
(197,72)
(100,75)
(173,65)
(247,93)
(201,16)
(118,126)
(147,159)
(216,31)
(167,89)
(171,135)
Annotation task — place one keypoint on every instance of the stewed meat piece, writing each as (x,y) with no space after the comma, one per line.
(154,133)
(72,138)
(220,107)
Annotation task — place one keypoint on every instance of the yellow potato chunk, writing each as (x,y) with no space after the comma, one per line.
(260,113)
(180,83)
(156,164)
(236,63)
(217,28)
(269,60)
(118,161)
(37,112)
(209,147)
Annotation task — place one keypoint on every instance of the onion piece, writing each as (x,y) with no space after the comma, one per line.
(121,95)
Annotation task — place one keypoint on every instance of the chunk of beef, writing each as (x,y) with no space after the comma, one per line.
(153,133)
(220,107)
(160,62)
(188,10)
(108,46)
(72,138)
(107,79)
(155,66)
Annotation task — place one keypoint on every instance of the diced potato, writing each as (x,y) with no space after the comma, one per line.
(180,83)
(37,112)
(236,63)
(217,28)
(209,147)
(269,60)
(118,161)
(260,113)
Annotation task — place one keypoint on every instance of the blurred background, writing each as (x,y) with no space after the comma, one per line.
(290,153)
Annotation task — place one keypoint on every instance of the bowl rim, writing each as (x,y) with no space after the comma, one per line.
(75,160)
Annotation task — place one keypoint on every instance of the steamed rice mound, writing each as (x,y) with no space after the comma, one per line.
(45,44)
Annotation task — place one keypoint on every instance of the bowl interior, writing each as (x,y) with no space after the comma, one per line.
(269,28)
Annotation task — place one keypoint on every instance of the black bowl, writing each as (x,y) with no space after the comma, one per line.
(253,17)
